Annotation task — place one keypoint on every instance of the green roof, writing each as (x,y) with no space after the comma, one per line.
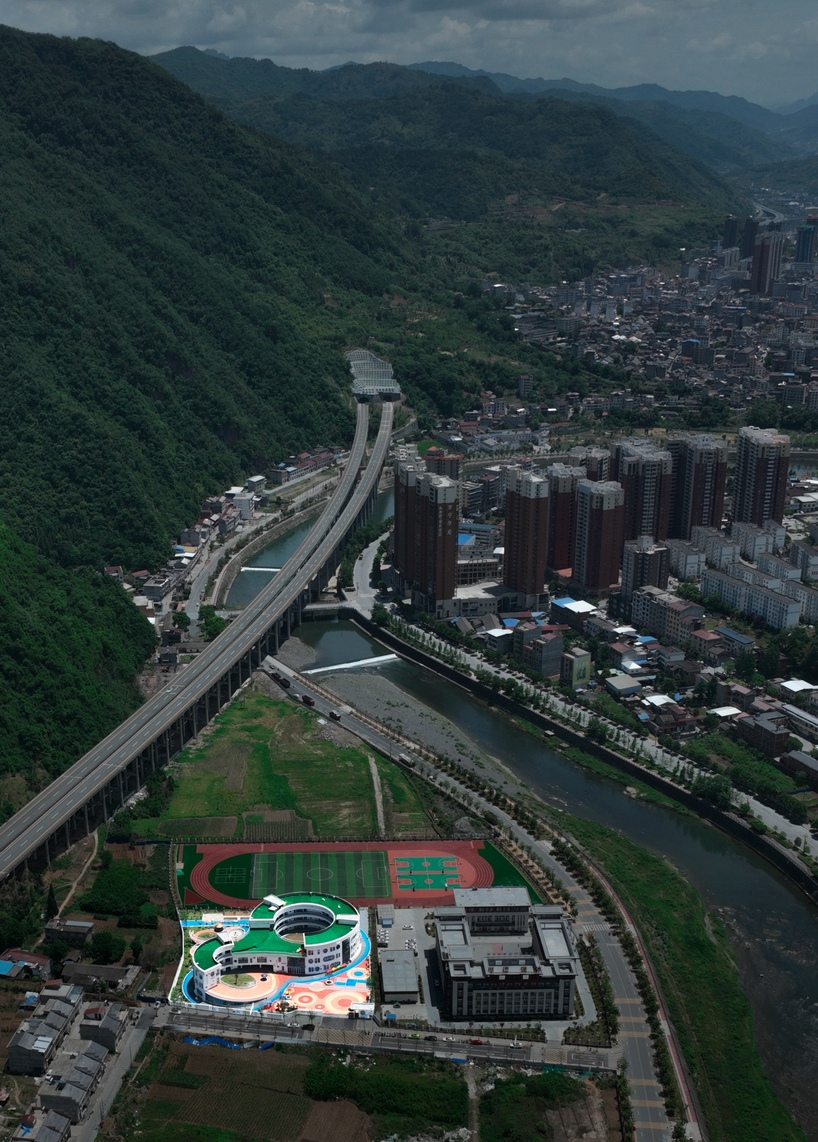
(203,954)
(266,940)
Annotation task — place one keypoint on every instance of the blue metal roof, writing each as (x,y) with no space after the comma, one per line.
(734,635)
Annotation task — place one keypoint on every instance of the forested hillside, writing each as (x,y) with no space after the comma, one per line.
(176,293)
(71,643)
(161,272)
(454,149)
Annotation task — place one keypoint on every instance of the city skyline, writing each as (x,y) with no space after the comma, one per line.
(736,47)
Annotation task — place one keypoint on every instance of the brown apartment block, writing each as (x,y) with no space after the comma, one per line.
(444,463)
(563,481)
(600,527)
(645,472)
(699,479)
(437,511)
(762,467)
(526,536)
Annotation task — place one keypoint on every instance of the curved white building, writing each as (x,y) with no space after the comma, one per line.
(295,934)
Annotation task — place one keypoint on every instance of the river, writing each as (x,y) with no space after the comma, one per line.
(773,929)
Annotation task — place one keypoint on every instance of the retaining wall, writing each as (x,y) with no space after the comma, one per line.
(729,822)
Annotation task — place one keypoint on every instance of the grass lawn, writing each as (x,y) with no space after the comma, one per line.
(708,1008)
(272,760)
(505,873)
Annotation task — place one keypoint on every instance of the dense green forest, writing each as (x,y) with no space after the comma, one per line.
(162,269)
(72,643)
(458,148)
(176,295)
(722,132)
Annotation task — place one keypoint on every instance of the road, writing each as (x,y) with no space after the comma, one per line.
(32,826)
(652,1124)
(578,716)
(366,1035)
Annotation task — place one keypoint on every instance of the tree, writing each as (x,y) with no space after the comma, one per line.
(380,615)
(597,731)
(136,949)
(745,665)
(212,624)
(717,790)
(182,620)
(149,958)
(51,905)
(105,947)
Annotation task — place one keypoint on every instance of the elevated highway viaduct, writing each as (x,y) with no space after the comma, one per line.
(99,783)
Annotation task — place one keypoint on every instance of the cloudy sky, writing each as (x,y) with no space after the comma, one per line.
(765,50)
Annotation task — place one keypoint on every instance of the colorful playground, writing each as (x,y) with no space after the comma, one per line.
(401,872)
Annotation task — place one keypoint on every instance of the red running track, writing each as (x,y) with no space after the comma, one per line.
(473,870)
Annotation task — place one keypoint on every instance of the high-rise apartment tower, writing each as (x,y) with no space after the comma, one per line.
(699,478)
(526,538)
(600,527)
(762,467)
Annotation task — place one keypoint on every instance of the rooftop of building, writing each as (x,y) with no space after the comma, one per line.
(398,970)
(497,897)
(267,941)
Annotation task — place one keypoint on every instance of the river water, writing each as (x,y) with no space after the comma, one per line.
(772,927)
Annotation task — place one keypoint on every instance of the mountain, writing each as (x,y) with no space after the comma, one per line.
(247,89)
(176,292)
(751,114)
(710,137)
(799,129)
(164,274)
(798,176)
(218,78)
(798,105)
(454,149)
(175,296)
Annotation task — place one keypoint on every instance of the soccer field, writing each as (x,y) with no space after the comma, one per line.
(349,874)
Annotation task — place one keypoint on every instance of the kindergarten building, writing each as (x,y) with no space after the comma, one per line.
(295,934)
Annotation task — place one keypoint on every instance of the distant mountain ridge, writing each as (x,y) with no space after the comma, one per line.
(709,136)
(752,114)
(457,147)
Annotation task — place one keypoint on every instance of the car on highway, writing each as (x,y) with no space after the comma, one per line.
(476,1042)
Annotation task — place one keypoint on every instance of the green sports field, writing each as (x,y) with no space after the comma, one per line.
(252,876)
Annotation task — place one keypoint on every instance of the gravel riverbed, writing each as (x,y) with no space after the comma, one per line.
(373,693)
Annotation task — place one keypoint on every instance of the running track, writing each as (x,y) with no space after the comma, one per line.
(474,871)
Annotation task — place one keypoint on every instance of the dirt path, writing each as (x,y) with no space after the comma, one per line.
(80,874)
(474,1103)
(376,784)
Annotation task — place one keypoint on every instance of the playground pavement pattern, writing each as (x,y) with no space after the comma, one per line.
(366,873)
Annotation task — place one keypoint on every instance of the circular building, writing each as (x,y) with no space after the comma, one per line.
(295,934)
